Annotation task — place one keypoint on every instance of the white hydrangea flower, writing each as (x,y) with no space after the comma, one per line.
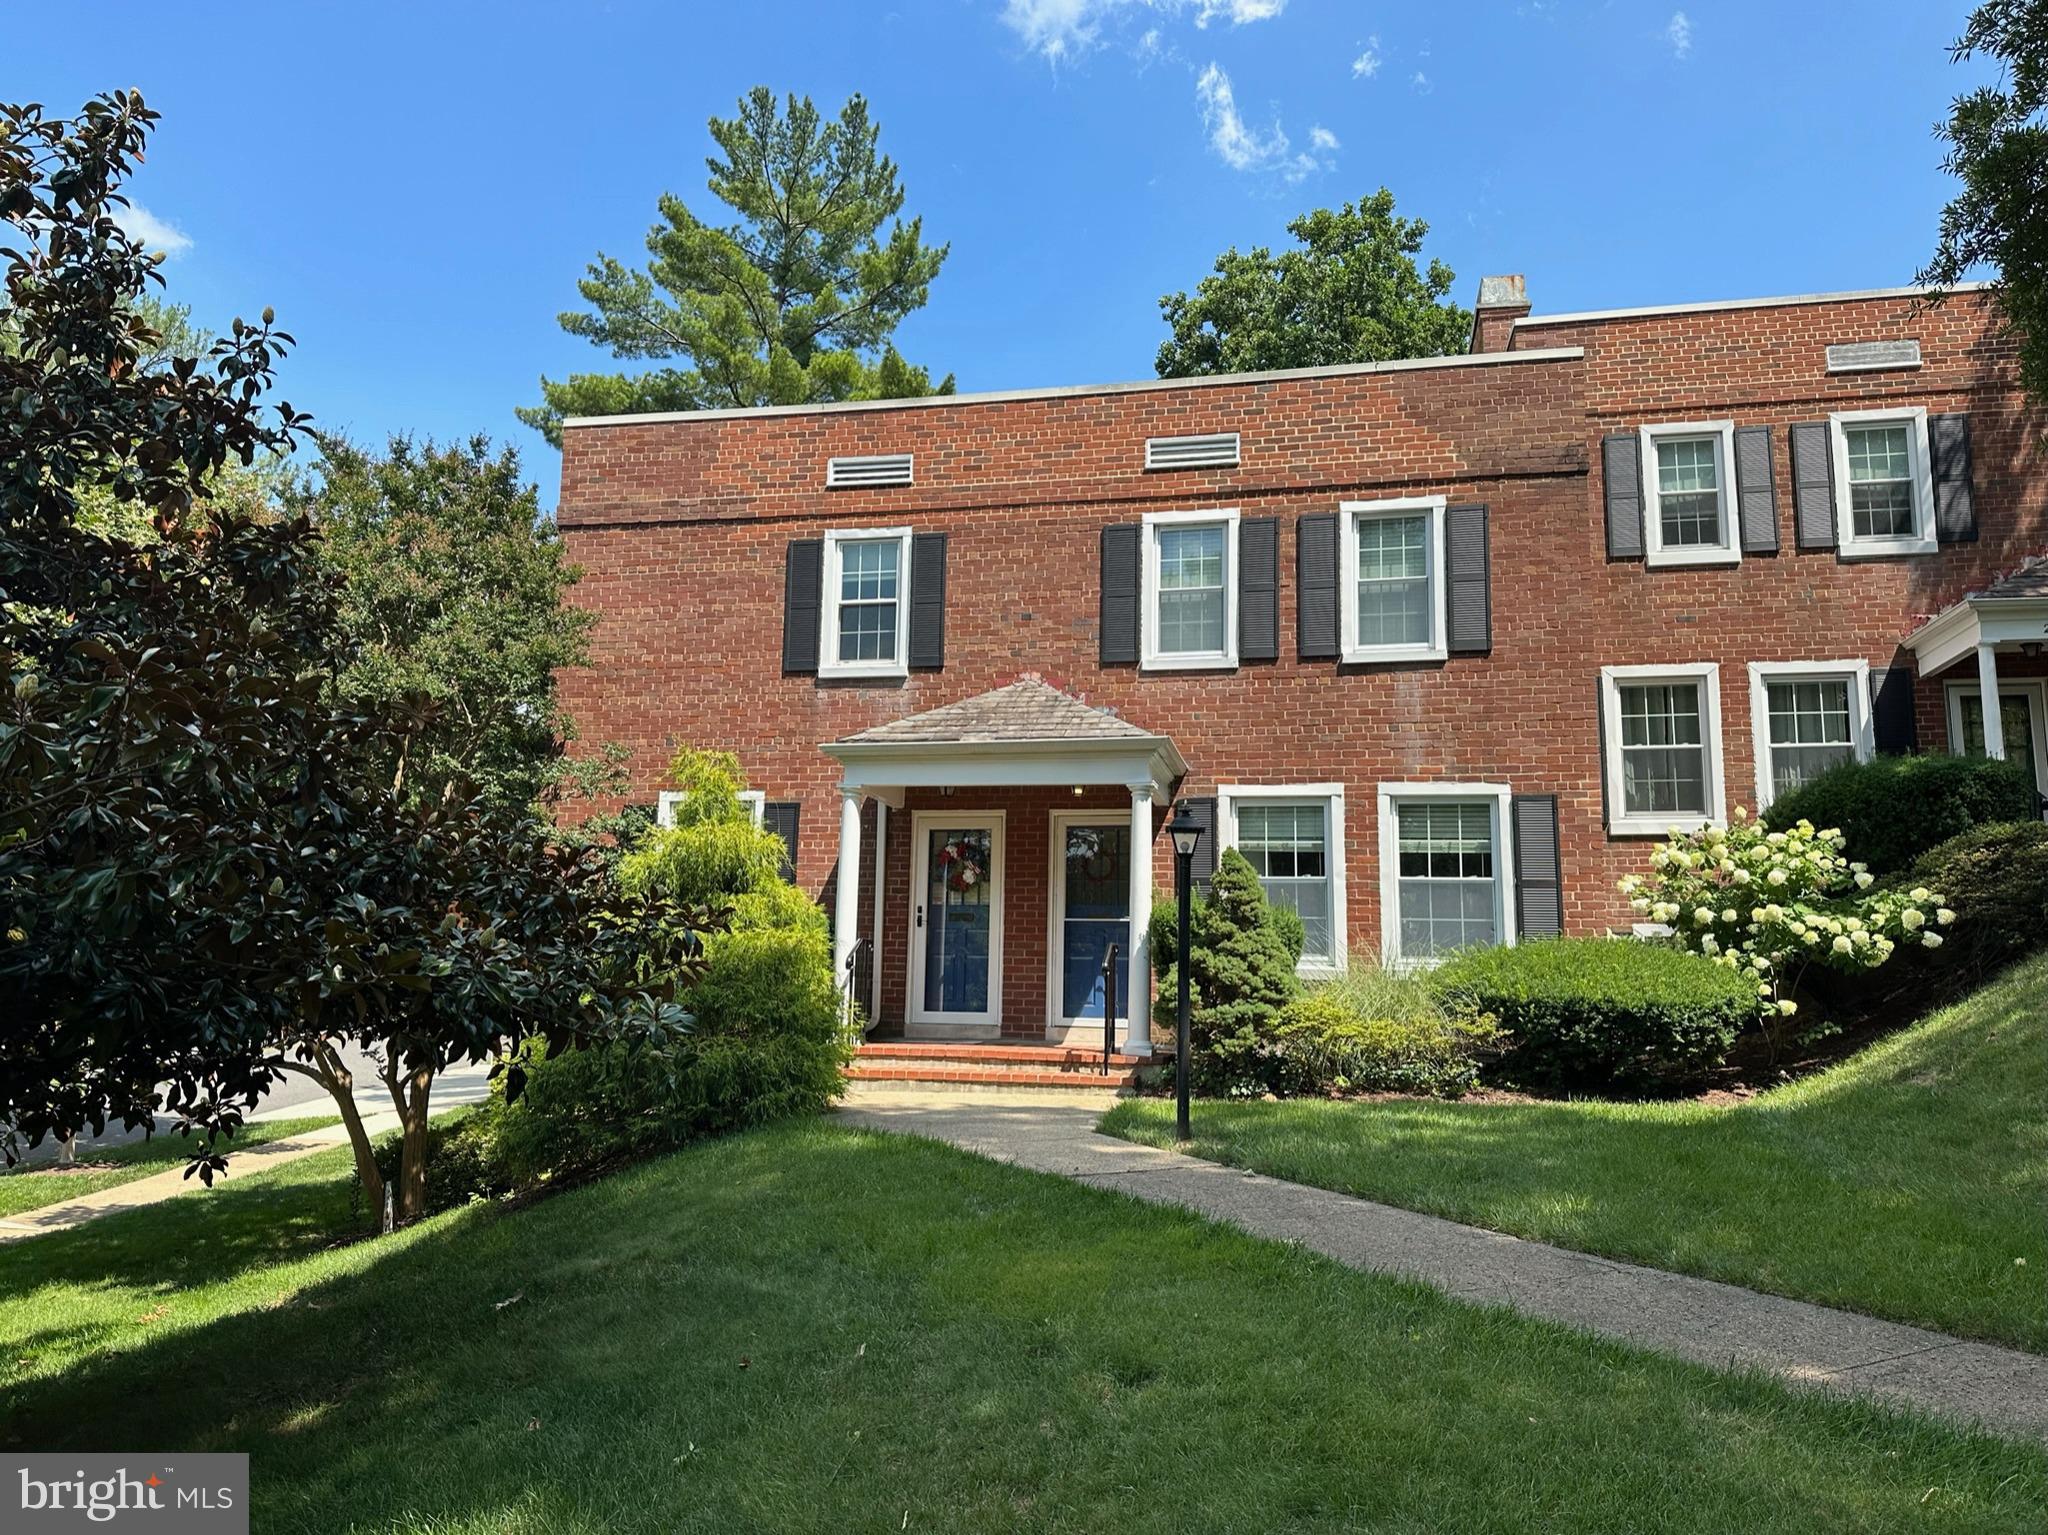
(1944,916)
(1912,918)
(1920,895)
(1776,876)
(1787,1008)
(1842,946)
(1865,879)
(1931,938)
(1703,915)
(1728,915)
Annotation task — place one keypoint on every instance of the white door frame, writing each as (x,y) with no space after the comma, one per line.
(1056,1023)
(921,821)
(2036,691)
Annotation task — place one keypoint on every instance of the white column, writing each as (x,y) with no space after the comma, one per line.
(881,902)
(1994,720)
(846,906)
(1138,1027)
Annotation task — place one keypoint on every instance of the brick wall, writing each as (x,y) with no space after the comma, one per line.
(682,526)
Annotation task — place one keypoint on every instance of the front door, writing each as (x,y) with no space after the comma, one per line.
(956,919)
(2021,706)
(1091,909)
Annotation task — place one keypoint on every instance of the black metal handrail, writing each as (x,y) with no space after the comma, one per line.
(860,971)
(1108,1007)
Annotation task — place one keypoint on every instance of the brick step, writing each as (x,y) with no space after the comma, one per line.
(1040,1057)
(952,1074)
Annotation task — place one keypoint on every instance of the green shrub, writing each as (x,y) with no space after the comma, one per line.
(1893,809)
(708,861)
(1241,957)
(1376,1033)
(1995,878)
(1600,1013)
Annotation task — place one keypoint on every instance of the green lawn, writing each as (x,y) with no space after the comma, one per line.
(32,1186)
(819,1329)
(1908,1182)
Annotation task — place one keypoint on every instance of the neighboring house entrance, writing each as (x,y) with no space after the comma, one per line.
(1090,910)
(2022,710)
(956,919)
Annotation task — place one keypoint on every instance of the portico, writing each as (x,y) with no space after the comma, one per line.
(1030,851)
(2009,620)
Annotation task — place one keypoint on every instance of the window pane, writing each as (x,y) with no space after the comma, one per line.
(1191,598)
(867,631)
(1445,881)
(1689,493)
(1288,847)
(867,571)
(1393,581)
(868,578)
(1880,481)
(1809,728)
(1663,756)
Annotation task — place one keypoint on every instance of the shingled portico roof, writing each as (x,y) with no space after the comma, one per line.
(2013,610)
(1027,732)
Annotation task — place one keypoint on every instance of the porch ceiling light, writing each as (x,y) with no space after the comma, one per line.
(1185,830)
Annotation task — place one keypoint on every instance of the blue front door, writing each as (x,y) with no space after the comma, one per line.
(1096,913)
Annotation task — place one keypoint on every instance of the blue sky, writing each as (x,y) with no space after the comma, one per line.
(416,187)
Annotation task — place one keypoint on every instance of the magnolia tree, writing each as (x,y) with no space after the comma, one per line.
(1770,903)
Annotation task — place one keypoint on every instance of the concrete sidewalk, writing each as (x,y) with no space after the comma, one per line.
(1697,1319)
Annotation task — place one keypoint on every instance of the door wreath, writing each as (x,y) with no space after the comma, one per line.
(961,864)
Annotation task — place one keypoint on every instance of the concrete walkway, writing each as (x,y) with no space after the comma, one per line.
(1697,1319)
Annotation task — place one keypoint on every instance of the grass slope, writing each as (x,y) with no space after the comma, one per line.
(34,1185)
(1904,1183)
(817,1329)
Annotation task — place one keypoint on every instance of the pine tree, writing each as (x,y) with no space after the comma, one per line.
(793,304)
(1241,957)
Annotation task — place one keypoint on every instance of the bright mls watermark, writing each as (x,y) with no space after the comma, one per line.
(168,1495)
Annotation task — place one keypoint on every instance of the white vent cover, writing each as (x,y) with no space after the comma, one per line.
(1872,356)
(1215,452)
(875,469)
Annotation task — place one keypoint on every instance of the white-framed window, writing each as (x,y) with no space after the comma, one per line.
(1190,591)
(1662,726)
(1444,861)
(1689,510)
(865,627)
(1808,716)
(1293,837)
(666,801)
(1391,565)
(1884,483)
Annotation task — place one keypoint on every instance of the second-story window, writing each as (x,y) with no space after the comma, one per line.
(1689,509)
(1393,558)
(1190,588)
(865,620)
(1884,491)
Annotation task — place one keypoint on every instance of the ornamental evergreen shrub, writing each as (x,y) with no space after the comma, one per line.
(1996,879)
(1241,957)
(1599,1013)
(1373,1032)
(1892,809)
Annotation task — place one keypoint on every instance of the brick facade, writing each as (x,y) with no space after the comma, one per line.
(682,524)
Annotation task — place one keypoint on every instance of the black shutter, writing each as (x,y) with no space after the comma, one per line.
(1258,589)
(1315,583)
(1894,723)
(928,599)
(1122,544)
(1756,490)
(1813,484)
(1469,583)
(1621,471)
(1955,508)
(1539,880)
(1203,865)
(803,595)
(780,817)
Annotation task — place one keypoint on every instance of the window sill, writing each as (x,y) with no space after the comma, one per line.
(1658,825)
(862,673)
(1203,663)
(1381,655)
(1682,558)
(1886,548)
(1320,969)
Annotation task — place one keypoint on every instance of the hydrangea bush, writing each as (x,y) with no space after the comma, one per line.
(1768,903)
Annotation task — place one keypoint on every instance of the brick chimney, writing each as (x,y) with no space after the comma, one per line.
(1502,301)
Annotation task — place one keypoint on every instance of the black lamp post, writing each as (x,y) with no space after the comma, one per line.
(1186,831)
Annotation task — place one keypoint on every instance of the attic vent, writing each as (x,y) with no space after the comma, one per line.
(1217,452)
(875,469)
(1872,356)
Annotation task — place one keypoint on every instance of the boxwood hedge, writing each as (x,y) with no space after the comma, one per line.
(1893,809)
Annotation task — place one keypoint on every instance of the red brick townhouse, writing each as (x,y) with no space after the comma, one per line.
(1439,645)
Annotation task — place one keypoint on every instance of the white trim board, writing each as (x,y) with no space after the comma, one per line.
(1389,795)
(1057,1024)
(1848,544)
(1437,647)
(1654,824)
(1727,511)
(1862,732)
(1710,306)
(989,1023)
(829,664)
(1150,657)
(1335,853)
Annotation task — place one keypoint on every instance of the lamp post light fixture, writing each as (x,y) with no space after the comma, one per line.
(1186,832)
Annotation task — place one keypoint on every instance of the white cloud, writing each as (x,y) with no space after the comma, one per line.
(1367,64)
(152,232)
(1421,83)
(1322,138)
(1245,148)
(1678,33)
(1065,29)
